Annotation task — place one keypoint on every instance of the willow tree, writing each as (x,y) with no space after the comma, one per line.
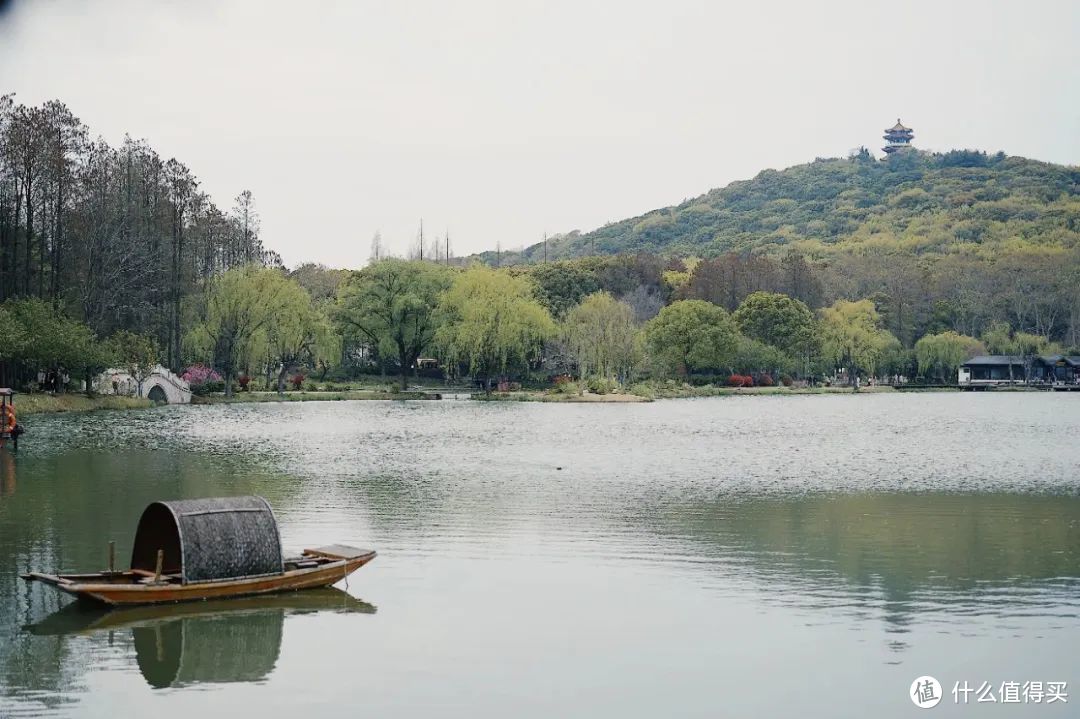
(491,323)
(942,354)
(239,305)
(602,338)
(852,337)
(391,304)
(299,332)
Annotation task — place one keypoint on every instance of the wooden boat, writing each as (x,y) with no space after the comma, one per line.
(215,548)
(89,618)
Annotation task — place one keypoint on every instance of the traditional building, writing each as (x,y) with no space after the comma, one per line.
(898,137)
(990,370)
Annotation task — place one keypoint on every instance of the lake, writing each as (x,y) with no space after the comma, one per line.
(804,556)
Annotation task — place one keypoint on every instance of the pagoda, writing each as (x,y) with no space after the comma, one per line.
(898,137)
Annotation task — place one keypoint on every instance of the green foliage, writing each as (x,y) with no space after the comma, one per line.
(599,385)
(692,335)
(602,338)
(939,356)
(830,202)
(240,306)
(754,357)
(1000,339)
(35,336)
(566,388)
(779,321)
(137,354)
(561,286)
(491,323)
(391,304)
(298,332)
(852,337)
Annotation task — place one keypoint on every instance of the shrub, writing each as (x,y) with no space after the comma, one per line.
(735,380)
(785,379)
(567,387)
(297,380)
(643,390)
(599,385)
(243,380)
(208,387)
(202,379)
(311,387)
(766,380)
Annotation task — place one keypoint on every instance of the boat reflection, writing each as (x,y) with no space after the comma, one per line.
(7,472)
(180,645)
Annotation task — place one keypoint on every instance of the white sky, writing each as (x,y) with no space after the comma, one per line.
(502,120)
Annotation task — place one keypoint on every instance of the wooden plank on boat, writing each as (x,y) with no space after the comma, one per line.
(46,578)
(337,551)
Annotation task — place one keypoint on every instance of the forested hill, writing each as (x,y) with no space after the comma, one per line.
(920,202)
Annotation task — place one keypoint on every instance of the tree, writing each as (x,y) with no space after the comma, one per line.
(392,304)
(296,333)
(602,338)
(491,323)
(240,304)
(942,354)
(136,354)
(692,335)
(780,321)
(852,337)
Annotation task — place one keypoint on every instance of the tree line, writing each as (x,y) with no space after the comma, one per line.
(116,238)
(113,256)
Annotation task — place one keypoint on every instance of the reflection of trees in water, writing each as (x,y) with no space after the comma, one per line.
(905,553)
(61,517)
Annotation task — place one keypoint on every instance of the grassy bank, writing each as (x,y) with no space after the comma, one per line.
(38,403)
(303,396)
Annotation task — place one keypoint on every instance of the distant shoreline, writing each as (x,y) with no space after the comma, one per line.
(32,404)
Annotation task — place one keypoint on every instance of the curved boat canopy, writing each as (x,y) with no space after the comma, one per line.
(206,540)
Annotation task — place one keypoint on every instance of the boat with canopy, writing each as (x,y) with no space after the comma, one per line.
(214,548)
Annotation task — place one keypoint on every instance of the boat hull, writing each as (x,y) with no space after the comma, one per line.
(106,589)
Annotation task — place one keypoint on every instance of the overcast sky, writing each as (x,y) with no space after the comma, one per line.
(501,120)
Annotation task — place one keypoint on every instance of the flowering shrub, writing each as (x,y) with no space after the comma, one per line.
(243,381)
(785,379)
(297,380)
(766,380)
(740,380)
(199,374)
(202,379)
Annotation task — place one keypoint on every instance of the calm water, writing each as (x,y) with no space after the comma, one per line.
(801,556)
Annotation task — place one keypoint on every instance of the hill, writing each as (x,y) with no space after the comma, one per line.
(958,201)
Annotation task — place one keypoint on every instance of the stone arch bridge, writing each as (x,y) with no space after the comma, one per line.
(161,385)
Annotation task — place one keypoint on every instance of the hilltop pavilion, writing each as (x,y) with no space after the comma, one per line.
(898,138)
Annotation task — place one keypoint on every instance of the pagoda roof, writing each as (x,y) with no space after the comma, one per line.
(898,127)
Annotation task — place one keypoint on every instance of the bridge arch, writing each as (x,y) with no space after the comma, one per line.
(160,385)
